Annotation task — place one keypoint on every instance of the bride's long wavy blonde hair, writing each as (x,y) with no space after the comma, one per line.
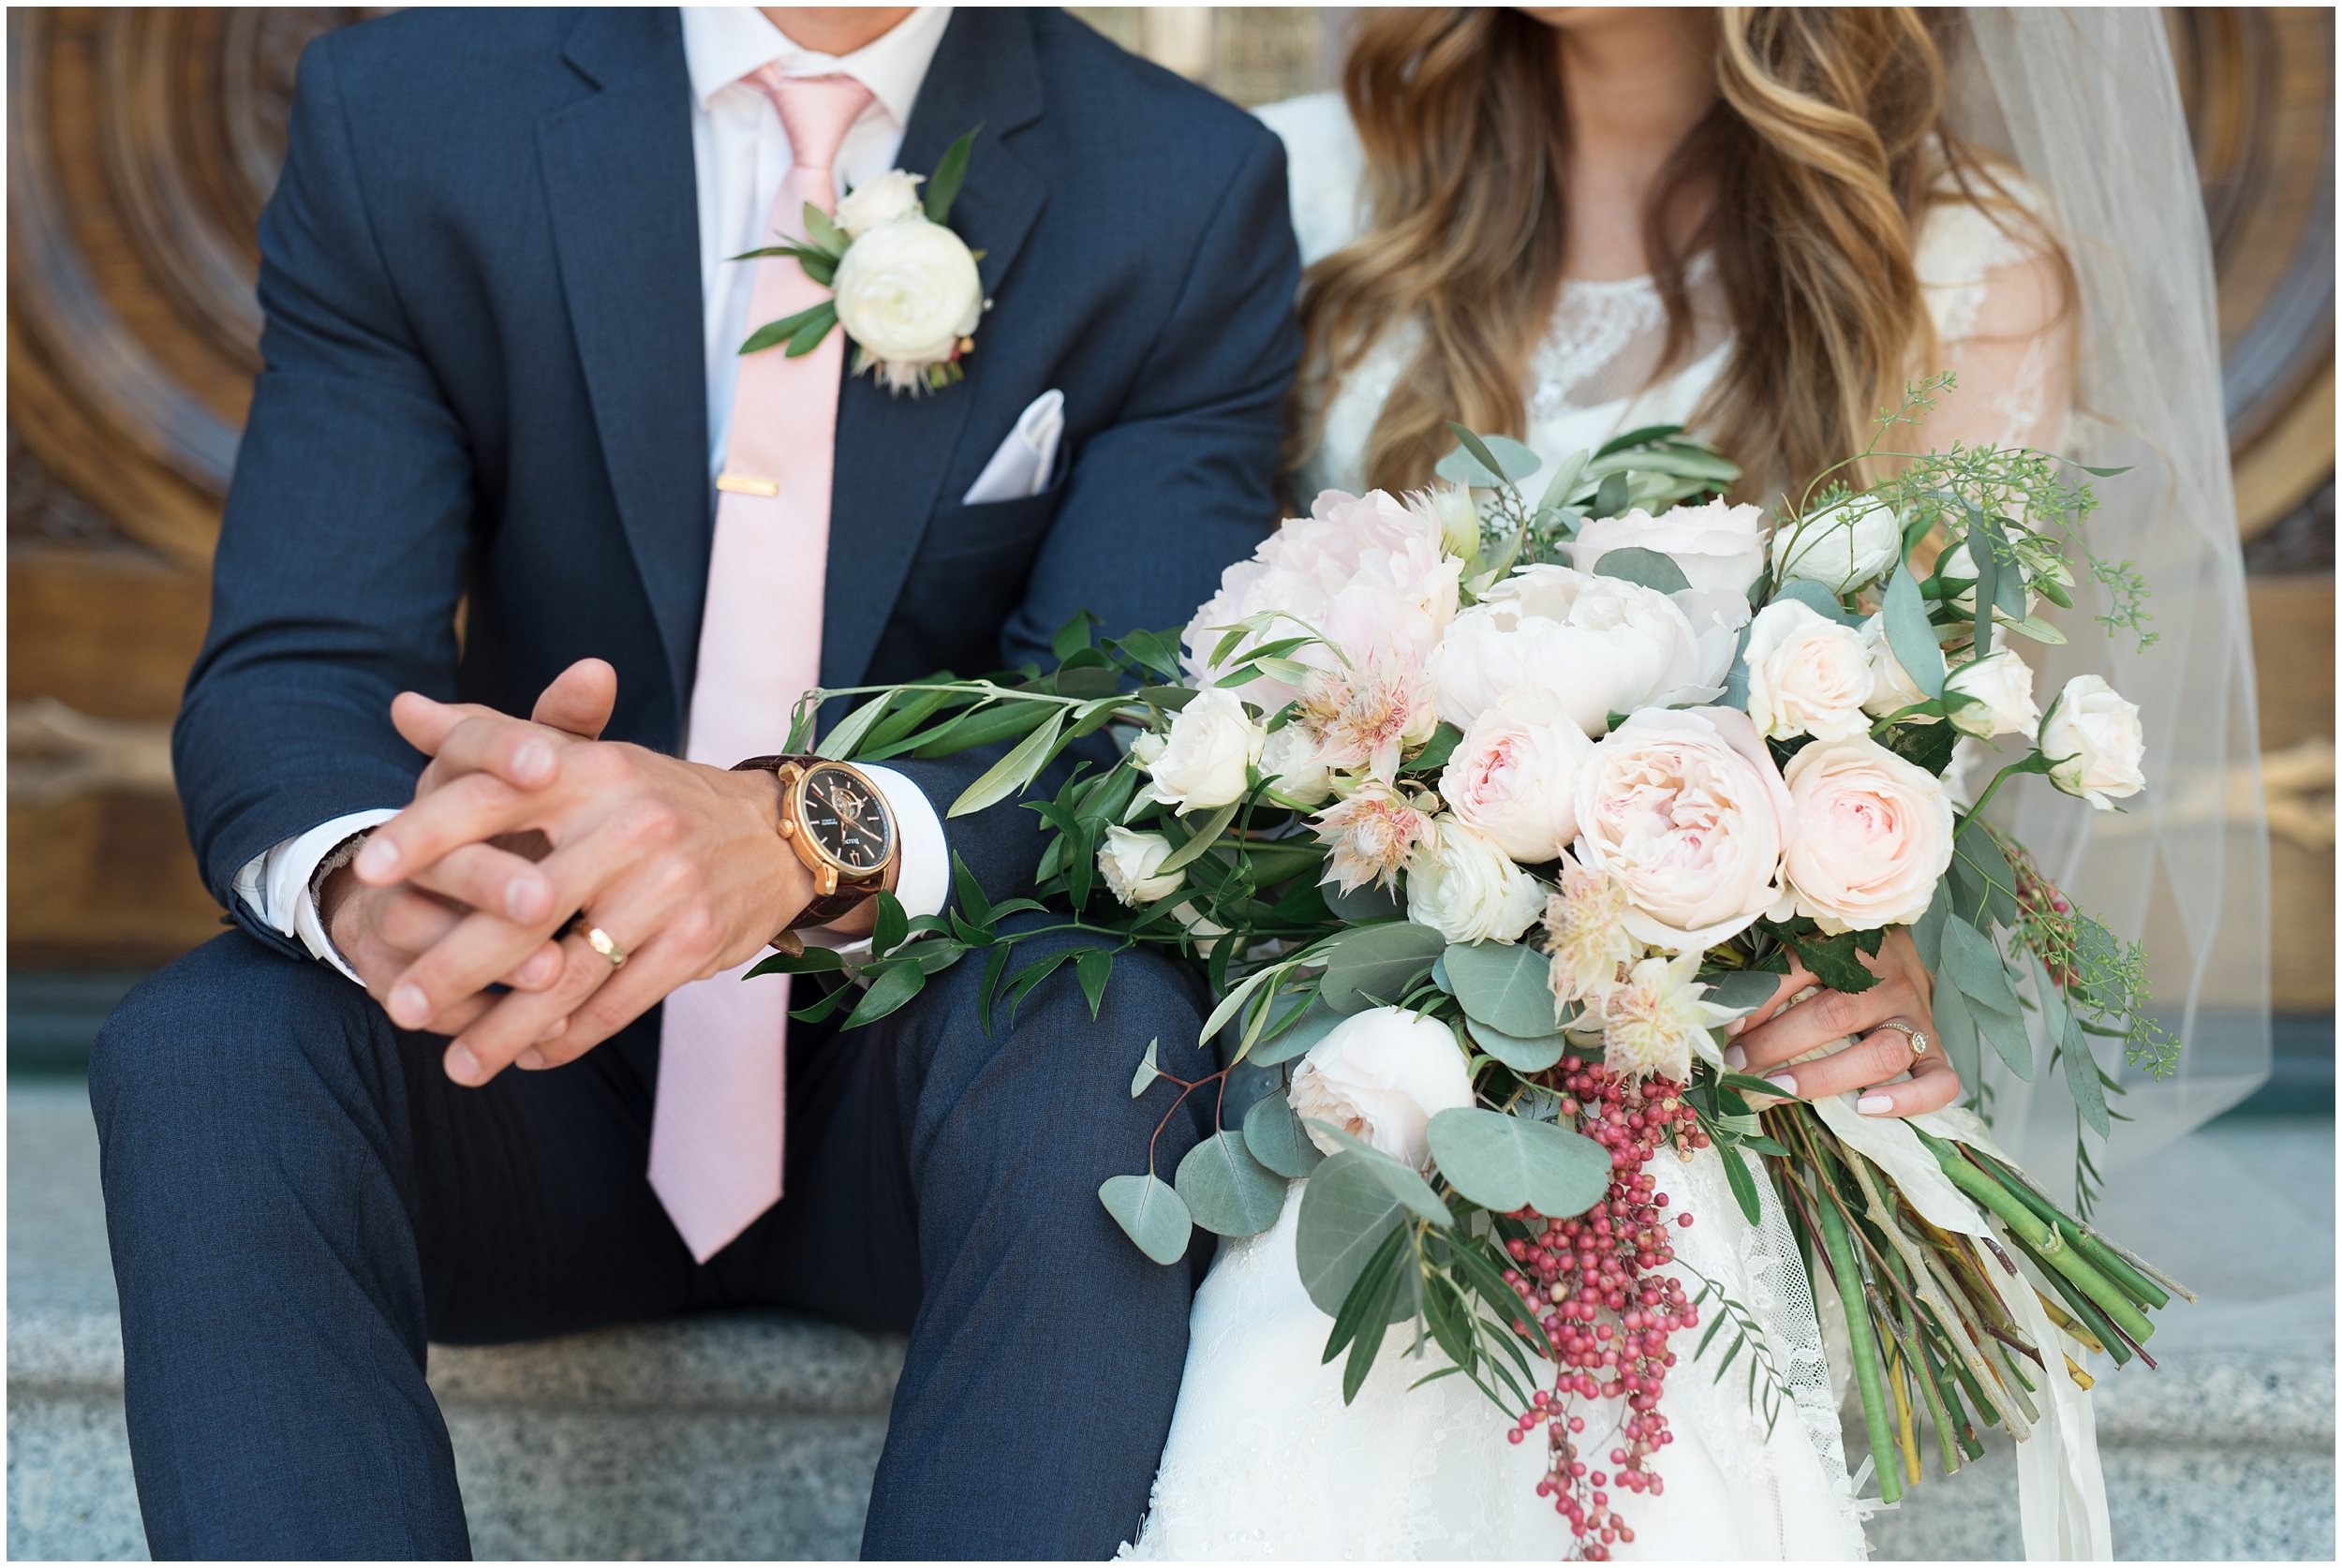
(1822,151)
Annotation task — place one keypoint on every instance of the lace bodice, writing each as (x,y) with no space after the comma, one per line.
(1591,376)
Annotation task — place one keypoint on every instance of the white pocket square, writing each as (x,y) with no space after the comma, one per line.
(1021,466)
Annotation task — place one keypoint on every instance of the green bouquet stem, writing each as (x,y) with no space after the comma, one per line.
(2042,1237)
(1858,1323)
(2134,1284)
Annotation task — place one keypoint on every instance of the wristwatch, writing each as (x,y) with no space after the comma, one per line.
(836,821)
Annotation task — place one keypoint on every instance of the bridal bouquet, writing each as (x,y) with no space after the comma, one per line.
(1483,816)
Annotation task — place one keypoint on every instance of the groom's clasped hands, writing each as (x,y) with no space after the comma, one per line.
(517,825)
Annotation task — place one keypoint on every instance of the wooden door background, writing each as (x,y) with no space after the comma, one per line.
(144,140)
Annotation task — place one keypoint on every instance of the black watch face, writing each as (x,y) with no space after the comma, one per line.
(848,819)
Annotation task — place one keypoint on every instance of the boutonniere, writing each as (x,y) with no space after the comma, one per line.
(902,285)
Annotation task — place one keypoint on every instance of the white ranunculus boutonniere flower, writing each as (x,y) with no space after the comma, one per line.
(903,285)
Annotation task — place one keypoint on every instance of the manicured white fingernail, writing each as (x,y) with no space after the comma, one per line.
(410,1008)
(378,860)
(1734,1025)
(1734,1058)
(1782,1082)
(1875,1104)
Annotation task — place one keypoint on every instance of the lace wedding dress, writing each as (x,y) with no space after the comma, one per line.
(1264,1460)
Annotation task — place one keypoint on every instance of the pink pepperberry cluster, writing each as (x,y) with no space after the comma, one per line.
(1591,1283)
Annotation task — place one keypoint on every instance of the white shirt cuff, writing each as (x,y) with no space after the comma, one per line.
(275,883)
(923,882)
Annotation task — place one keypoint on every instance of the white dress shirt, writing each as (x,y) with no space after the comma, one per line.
(740,153)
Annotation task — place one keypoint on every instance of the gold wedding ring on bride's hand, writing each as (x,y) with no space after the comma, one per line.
(599,939)
(1917,1036)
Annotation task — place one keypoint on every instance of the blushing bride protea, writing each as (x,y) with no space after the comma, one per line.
(1659,1019)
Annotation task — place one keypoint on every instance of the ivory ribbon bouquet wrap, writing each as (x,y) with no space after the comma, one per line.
(1483,816)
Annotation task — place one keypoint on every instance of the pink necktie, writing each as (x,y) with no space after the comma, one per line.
(715,1132)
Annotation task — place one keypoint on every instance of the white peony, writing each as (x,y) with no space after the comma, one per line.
(1718,546)
(1468,888)
(893,195)
(1360,569)
(2000,690)
(908,292)
(1514,776)
(2095,744)
(1201,763)
(1874,835)
(1687,812)
(1127,861)
(1716,616)
(1381,1076)
(1807,675)
(1892,689)
(1599,644)
(1842,547)
(1290,759)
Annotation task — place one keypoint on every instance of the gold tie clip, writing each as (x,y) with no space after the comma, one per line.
(744,484)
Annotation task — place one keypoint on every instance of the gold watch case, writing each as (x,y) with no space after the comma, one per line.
(836,821)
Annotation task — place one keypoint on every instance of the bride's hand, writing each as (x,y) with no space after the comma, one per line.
(1776,1034)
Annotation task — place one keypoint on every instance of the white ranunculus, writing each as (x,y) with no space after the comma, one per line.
(1514,776)
(2095,744)
(1600,644)
(1807,673)
(908,292)
(1892,689)
(1127,861)
(2000,687)
(893,195)
(1469,890)
(1874,835)
(1381,1076)
(1290,758)
(1842,547)
(1201,763)
(1719,546)
(1688,811)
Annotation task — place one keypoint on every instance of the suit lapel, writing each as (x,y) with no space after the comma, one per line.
(621,187)
(893,454)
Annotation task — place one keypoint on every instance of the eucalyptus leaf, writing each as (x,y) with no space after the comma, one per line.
(1611,500)
(1909,632)
(1150,1212)
(1403,1182)
(1505,985)
(1743,989)
(1277,1138)
(1148,1071)
(1736,678)
(1227,1190)
(1506,1163)
(1367,964)
(1346,1214)
(1316,1022)
(1927,932)
(1955,1025)
(1522,1056)
(1635,564)
(1485,461)
(1818,599)
(1369,901)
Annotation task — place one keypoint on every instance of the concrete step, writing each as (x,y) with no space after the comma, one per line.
(755,1435)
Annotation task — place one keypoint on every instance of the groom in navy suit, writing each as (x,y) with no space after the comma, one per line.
(481,469)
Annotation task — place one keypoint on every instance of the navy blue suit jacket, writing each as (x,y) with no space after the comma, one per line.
(485,385)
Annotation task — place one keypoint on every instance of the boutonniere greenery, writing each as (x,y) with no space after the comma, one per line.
(902,285)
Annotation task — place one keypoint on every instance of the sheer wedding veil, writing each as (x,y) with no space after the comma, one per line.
(2085,102)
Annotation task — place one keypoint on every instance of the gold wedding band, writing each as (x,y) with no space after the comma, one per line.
(1918,1038)
(599,939)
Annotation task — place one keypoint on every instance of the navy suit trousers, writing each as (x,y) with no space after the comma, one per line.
(299,1201)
